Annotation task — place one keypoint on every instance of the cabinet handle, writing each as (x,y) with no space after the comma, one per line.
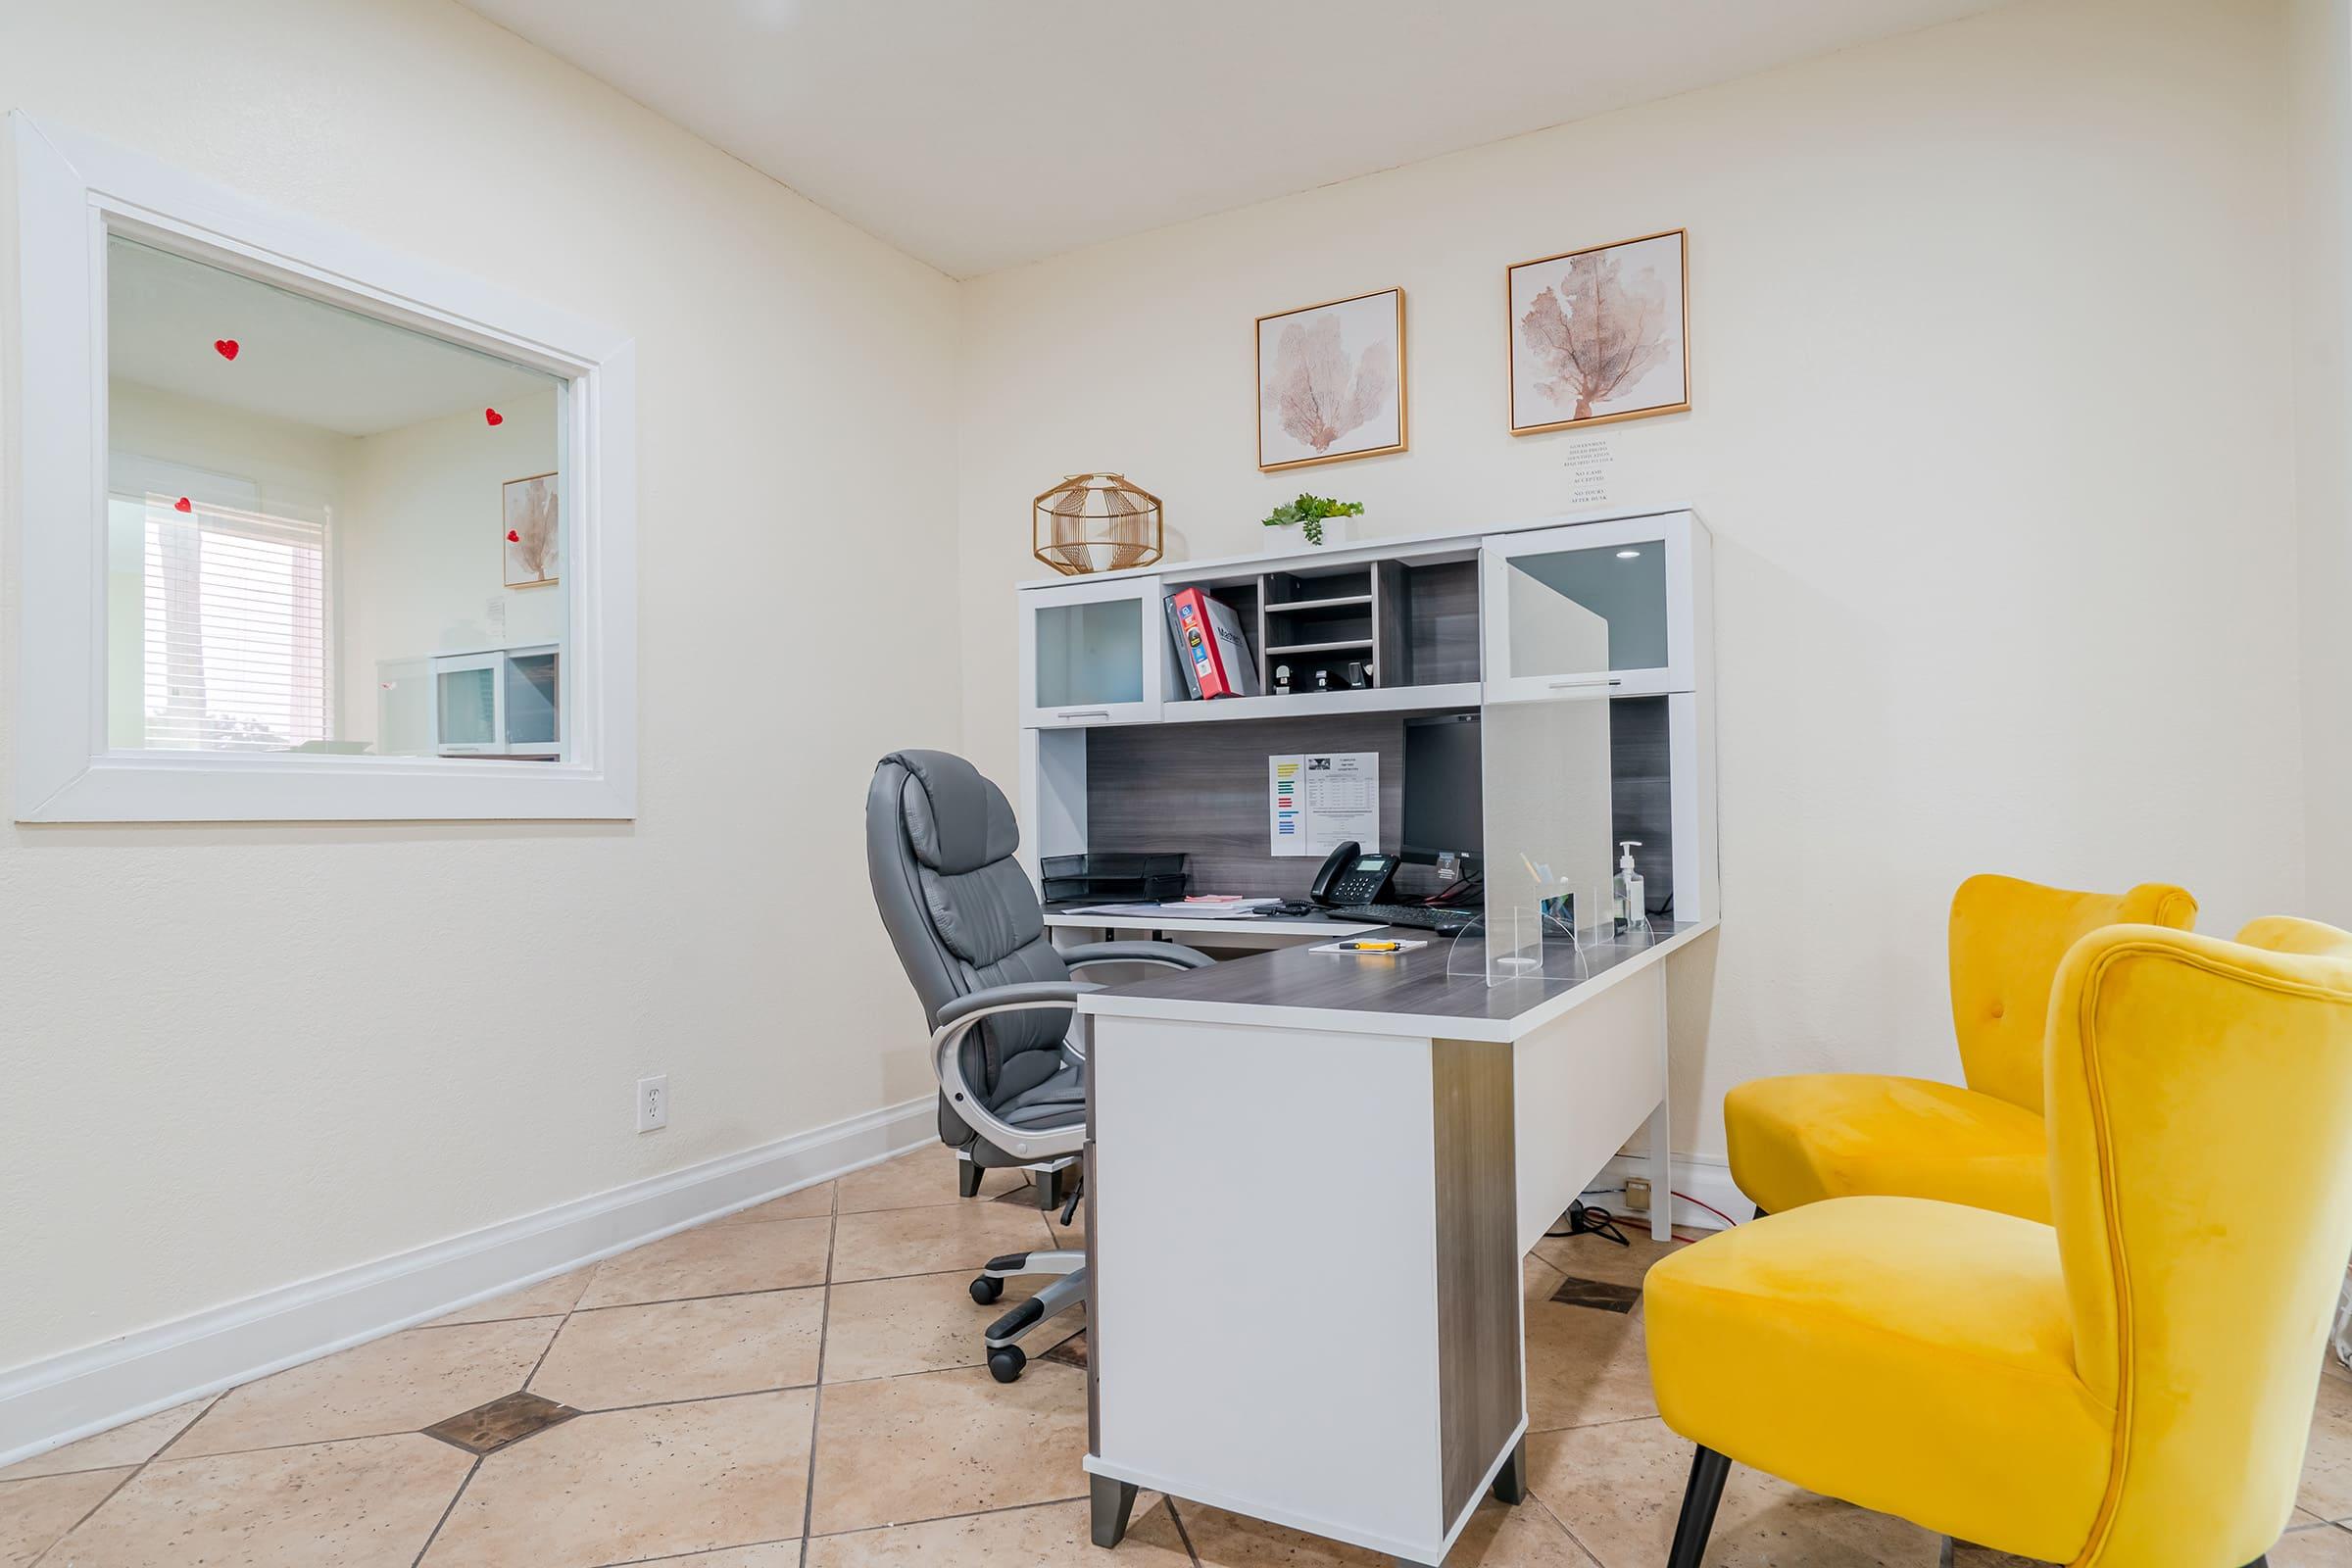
(1084,712)
(1586,680)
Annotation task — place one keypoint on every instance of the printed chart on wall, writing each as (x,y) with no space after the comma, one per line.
(1318,800)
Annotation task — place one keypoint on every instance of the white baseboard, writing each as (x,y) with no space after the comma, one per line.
(1707,1180)
(53,1402)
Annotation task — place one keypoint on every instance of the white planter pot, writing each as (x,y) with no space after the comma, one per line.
(1337,531)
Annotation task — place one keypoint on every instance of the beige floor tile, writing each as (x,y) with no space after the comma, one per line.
(555,1296)
(623,1485)
(809,1203)
(897,1449)
(933,1240)
(1054,1535)
(1583,1364)
(1618,1489)
(2326,1489)
(1496,1537)
(774,1555)
(370,1504)
(674,1350)
(714,1260)
(132,1443)
(1592,1257)
(35,1511)
(402,1383)
(2326,1547)
(922,1178)
(887,1328)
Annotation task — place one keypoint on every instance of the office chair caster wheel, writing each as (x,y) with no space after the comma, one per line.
(985,1291)
(1005,1363)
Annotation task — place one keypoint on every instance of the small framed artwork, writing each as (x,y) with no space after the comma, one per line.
(1331,381)
(1602,334)
(530,531)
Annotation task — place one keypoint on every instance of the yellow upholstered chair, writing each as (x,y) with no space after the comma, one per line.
(1796,1140)
(2131,1386)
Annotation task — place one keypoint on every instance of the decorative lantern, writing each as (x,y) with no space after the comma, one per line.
(1094,522)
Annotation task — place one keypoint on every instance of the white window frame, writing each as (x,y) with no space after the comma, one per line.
(72,191)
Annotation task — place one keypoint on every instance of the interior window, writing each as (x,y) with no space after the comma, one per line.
(327,533)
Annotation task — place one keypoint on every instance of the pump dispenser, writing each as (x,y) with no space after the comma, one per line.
(1628,893)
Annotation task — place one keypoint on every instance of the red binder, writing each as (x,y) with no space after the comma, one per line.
(1209,640)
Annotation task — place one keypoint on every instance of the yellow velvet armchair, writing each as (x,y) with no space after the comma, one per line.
(1798,1139)
(2131,1386)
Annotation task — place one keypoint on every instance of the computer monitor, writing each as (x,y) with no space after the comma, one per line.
(1445,811)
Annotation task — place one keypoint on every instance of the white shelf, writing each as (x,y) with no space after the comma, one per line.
(1343,602)
(1371,699)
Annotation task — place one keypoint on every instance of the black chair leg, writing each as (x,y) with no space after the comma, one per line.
(1760,1214)
(1708,1472)
(967,1178)
(1109,1504)
(2263,1562)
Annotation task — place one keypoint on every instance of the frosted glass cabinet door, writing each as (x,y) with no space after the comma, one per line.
(533,703)
(466,712)
(1603,607)
(1092,653)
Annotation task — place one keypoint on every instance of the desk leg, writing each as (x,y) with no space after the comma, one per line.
(1661,1130)
(1110,1502)
(1510,1482)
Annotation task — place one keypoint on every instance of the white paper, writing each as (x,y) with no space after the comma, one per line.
(1588,462)
(1316,800)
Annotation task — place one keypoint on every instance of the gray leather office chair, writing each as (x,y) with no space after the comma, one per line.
(968,928)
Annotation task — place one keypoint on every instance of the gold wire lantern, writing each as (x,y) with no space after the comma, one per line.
(1094,522)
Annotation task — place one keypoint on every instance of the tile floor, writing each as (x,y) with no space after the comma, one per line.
(798,1386)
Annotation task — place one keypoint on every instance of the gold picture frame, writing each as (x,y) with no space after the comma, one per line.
(1593,386)
(1328,359)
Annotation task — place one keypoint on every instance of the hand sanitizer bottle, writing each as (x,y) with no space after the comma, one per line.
(1626,893)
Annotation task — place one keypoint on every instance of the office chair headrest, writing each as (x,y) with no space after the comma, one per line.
(956,821)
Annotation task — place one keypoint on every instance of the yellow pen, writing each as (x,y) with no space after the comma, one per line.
(1371,947)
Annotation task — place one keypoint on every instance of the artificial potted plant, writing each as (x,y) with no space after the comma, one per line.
(1315,517)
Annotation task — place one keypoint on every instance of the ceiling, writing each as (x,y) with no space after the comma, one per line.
(977,134)
(298,359)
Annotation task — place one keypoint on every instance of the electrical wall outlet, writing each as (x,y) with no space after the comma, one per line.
(653,1103)
(1636,1195)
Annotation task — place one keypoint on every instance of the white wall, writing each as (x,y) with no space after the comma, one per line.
(1992,425)
(418,559)
(2320,140)
(241,1056)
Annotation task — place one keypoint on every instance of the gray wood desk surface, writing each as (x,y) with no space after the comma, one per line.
(1407,994)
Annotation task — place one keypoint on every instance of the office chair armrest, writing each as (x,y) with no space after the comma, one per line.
(1174,954)
(955,1019)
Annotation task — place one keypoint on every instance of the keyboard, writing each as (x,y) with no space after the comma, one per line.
(1442,921)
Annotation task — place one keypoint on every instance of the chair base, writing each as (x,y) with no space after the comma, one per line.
(1709,1470)
(1005,1357)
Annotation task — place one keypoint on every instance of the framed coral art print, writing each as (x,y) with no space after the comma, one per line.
(1331,381)
(1600,334)
(530,531)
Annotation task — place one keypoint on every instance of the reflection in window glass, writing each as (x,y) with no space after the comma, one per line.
(312,517)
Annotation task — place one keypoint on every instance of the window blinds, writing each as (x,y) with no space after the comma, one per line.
(235,629)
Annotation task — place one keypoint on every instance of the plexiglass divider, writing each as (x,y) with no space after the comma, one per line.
(1548,813)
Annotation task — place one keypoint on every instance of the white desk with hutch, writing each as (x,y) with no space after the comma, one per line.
(1357,1371)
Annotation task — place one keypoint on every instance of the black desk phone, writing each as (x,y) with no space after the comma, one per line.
(1349,877)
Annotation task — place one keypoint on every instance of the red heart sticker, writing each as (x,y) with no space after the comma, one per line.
(493,417)
(181,504)
(225,347)
(513,537)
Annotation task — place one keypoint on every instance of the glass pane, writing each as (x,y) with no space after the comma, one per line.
(1548,818)
(1624,585)
(1090,654)
(469,706)
(306,506)
(532,699)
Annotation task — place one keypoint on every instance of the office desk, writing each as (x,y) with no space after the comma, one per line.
(1311,1179)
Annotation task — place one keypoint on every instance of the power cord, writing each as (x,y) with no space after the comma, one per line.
(1586,1220)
